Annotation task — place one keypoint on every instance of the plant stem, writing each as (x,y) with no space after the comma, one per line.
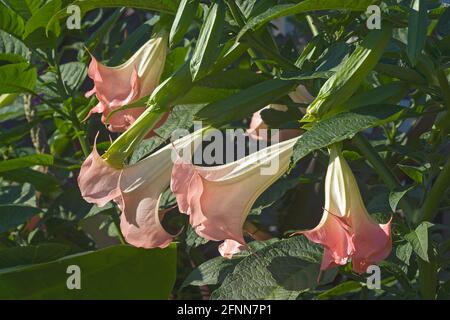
(380,167)
(311,25)
(116,221)
(431,204)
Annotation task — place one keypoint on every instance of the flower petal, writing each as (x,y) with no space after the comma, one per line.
(333,233)
(119,86)
(373,243)
(98,182)
(230,247)
(219,198)
(141,186)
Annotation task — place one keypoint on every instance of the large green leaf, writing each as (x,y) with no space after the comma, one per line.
(19,256)
(344,83)
(207,47)
(283,269)
(304,6)
(245,102)
(166,6)
(120,272)
(340,289)
(183,19)
(417,30)
(11,22)
(12,49)
(13,215)
(42,182)
(27,161)
(25,8)
(211,272)
(342,126)
(17,78)
(42,17)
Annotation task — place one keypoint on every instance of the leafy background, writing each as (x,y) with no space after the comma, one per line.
(391,112)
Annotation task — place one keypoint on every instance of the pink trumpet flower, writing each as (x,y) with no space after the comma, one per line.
(118,86)
(346,229)
(300,95)
(218,199)
(136,189)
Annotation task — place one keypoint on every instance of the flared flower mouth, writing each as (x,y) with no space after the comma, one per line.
(122,85)
(218,199)
(346,230)
(136,189)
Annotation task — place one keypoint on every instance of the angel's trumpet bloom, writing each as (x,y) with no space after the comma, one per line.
(218,199)
(346,229)
(118,86)
(300,95)
(136,189)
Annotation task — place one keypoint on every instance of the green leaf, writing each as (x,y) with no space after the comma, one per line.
(245,102)
(396,195)
(193,240)
(204,95)
(6,100)
(166,6)
(19,256)
(419,240)
(42,182)
(414,173)
(207,48)
(13,215)
(185,15)
(350,73)
(403,252)
(211,272)
(41,18)
(341,127)
(340,290)
(232,79)
(402,73)
(18,194)
(304,6)
(417,30)
(282,269)
(73,74)
(25,8)
(11,22)
(107,209)
(12,49)
(397,272)
(17,78)
(389,93)
(27,161)
(120,272)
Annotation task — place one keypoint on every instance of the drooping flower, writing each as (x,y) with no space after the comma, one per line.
(136,189)
(118,86)
(257,124)
(218,199)
(346,229)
